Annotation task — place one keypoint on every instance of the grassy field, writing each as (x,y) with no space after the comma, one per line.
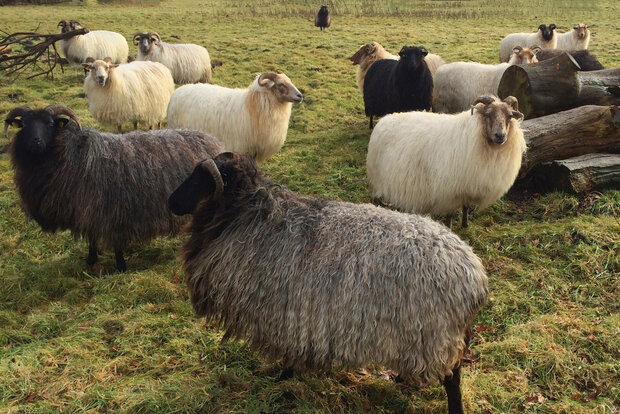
(76,339)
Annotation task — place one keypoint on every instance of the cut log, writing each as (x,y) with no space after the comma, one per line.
(556,85)
(578,131)
(578,175)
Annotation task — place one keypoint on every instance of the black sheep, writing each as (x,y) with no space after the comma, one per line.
(586,60)
(322,18)
(398,85)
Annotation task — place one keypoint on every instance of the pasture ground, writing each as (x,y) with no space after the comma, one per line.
(75,339)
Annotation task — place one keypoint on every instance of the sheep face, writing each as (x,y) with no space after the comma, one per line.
(412,57)
(363,52)
(145,41)
(547,31)
(281,86)
(581,30)
(524,55)
(497,116)
(69,26)
(99,70)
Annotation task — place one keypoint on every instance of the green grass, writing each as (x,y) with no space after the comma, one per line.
(74,339)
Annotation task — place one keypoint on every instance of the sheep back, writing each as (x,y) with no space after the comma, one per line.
(97,44)
(586,60)
(188,63)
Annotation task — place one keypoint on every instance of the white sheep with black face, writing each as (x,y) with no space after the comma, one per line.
(188,63)
(545,38)
(97,44)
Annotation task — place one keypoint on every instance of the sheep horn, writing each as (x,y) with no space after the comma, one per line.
(485,99)
(136,36)
(57,109)
(267,75)
(62,23)
(211,167)
(18,111)
(512,101)
(156,35)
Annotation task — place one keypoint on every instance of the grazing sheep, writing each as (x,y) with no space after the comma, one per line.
(446,161)
(321,283)
(458,84)
(97,44)
(252,120)
(322,18)
(544,38)
(586,60)
(576,39)
(398,86)
(133,92)
(112,190)
(188,63)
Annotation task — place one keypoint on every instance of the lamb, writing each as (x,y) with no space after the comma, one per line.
(576,39)
(252,120)
(133,92)
(188,63)
(323,283)
(112,190)
(586,60)
(322,18)
(545,38)
(398,86)
(458,84)
(97,44)
(447,161)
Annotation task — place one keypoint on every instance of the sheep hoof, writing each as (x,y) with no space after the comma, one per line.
(453,390)
(92,255)
(287,373)
(464,219)
(120,261)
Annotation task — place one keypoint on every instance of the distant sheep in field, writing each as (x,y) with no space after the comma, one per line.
(111,190)
(437,163)
(576,39)
(544,38)
(586,60)
(252,120)
(132,92)
(398,86)
(97,44)
(322,19)
(348,285)
(188,63)
(458,84)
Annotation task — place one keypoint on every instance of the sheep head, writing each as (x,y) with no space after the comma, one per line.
(323,10)
(281,86)
(38,128)
(145,41)
(99,70)
(547,31)
(363,52)
(581,29)
(496,116)
(412,57)
(524,55)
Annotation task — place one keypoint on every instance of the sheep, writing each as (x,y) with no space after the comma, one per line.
(252,120)
(447,161)
(396,86)
(109,189)
(322,18)
(132,92)
(97,44)
(458,84)
(188,63)
(322,283)
(586,60)
(544,38)
(576,39)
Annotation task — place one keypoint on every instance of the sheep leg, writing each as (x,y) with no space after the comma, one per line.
(453,390)
(120,129)
(120,261)
(159,125)
(370,125)
(448,221)
(135,125)
(92,254)
(287,373)
(464,219)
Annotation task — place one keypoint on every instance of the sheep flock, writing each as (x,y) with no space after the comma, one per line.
(311,283)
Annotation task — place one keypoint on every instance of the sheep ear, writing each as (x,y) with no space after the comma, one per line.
(114,66)
(86,66)
(423,51)
(61,122)
(187,196)
(14,122)
(517,115)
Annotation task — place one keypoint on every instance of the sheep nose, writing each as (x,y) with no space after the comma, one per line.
(299,97)
(101,80)
(500,138)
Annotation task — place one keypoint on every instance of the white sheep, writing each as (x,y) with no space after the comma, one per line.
(188,63)
(97,44)
(425,162)
(252,120)
(457,84)
(545,38)
(132,92)
(576,39)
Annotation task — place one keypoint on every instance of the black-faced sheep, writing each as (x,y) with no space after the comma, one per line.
(586,60)
(97,44)
(322,18)
(132,92)
(446,162)
(188,63)
(398,86)
(321,283)
(112,190)
(576,39)
(544,38)
(252,120)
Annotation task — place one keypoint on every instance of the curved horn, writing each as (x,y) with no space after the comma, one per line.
(485,99)
(210,166)
(266,76)
(62,23)
(136,38)
(512,101)
(57,109)
(156,35)
(17,111)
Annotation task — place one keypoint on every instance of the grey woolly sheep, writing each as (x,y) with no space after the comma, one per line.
(323,283)
(109,189)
